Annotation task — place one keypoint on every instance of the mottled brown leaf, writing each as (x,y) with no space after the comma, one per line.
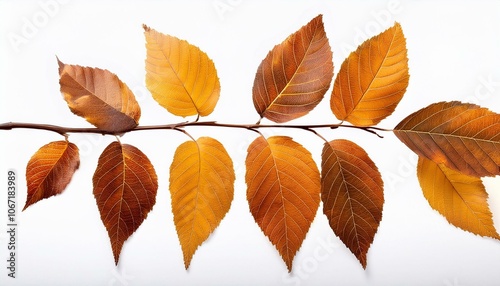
(460,198)
(283,191)
(50,170)
(202,189)
(352,195)
(180,76)
(295,75)
(463,136)
(100,97)
(372,80)
(125,185)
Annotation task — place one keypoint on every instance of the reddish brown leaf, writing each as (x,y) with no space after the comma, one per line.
(295,75)
(461,199)
(352,195)
(125,185)
(50,170)
(463,136)
(283,188)
(100,97)
(202,189)
(181,77)
(372,80)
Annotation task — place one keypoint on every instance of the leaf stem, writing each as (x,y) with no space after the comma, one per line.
(180,126)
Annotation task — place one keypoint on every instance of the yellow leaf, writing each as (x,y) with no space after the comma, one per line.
(100,97)
(352,194)
(50,170)
(372,80)
(125,186)
(202,188)
(283,191)
(180,76)
(461,199)
(295,75)
(463,136)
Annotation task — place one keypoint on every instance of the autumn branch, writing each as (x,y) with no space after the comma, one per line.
(181,125)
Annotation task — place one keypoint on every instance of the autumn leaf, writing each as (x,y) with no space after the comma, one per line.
(352,195)
(180,76)
(202,188)
(50,170)
(100,97)
(372,80)
(460,198)
(283,191)
(463,136)
(295,75)
(125,185)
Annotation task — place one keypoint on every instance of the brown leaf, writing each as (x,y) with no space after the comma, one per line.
(352,195)
(50,170)
(125,185)
(283,189)
(295,75)
(202,189)
(100,97)
(372,80)
(463,136)
(180,76)
(461,199)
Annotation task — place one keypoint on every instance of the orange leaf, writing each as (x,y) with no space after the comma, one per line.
(125,185)
(180,76)
(295,75)
(372,80)
(283,191)
(461,199)
(463,136)
(50,170)
(202,189)
(100,97)
(352,195)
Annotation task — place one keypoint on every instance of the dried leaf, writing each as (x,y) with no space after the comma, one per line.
(372,80)
(180,76)
(50,170)
(461,199)
(463,136)
(283,190)
(100,97)
(295,75)
(352,195)
(125,185)
(202,188)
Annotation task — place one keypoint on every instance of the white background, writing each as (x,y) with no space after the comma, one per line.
(453,50)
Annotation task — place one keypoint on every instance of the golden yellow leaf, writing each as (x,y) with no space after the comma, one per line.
(202,189)
(463,136)
(295,75)
(100,97)
(460,198)
(283,191)
(352,194)
(372,80)
(180,76)
(125,186)
(50,170)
